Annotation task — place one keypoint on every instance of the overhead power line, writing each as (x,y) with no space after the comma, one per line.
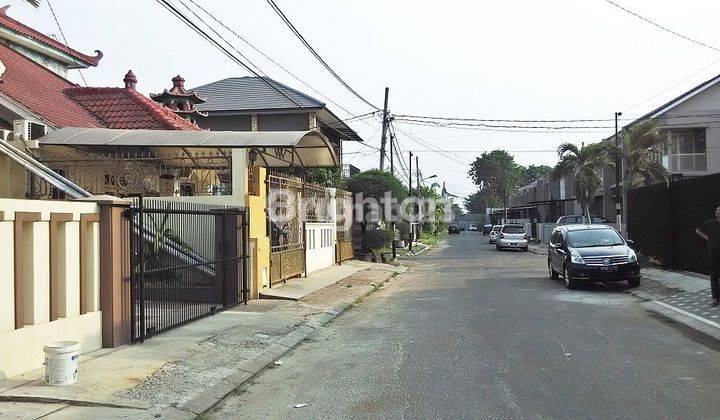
(280,66)
(504,130)
(444,118)
(663,28)
(446,154)
(452,124)
(247,66)
(62,34)
(315,53)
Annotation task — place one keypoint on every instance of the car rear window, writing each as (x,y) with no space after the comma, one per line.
(513,229)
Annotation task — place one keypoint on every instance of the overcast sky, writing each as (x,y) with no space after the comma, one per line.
(521,59)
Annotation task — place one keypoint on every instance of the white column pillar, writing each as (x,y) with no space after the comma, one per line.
(93,267)
(7,277)
(68,269)
(36,272)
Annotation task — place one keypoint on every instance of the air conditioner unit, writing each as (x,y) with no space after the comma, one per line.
(27,130)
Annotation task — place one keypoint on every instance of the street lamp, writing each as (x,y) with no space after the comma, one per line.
(430,177)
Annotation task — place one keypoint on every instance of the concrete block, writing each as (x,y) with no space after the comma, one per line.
(173,413)
(238,378)
(201,403)
(320,320)
(294,338)
(261,361)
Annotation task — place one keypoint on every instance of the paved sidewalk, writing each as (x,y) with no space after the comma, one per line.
(186,371)
(679,296)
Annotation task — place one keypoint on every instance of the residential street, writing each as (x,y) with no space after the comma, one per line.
(472,332)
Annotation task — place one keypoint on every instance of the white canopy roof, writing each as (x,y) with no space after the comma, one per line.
(276,149)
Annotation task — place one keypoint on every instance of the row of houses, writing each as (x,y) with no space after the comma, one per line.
(692,124)
(123,215)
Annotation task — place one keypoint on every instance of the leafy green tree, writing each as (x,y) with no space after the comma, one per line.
(535,172)
(498,172)
(374,183)
(479,201)
(586,166)
(431,224)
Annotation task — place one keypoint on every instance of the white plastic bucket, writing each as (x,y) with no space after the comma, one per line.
(61,362)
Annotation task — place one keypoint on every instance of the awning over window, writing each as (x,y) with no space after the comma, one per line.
(276,149)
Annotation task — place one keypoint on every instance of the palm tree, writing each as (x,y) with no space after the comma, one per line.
(586,165)
(641,146)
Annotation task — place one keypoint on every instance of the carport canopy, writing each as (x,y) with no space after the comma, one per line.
(275,149)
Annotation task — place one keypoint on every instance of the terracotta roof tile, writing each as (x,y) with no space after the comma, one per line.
(127,109)
(40,91)
(15,26)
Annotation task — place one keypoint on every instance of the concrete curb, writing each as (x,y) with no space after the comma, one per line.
(249,369)
(687,319)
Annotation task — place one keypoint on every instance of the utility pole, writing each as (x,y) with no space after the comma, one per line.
(384,130)
(417,173)
(412,227)
(619,205)
(392,154)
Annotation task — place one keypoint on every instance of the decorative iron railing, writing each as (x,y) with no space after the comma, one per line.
(138,172)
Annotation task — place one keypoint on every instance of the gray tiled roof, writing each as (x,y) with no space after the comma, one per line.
(251,93)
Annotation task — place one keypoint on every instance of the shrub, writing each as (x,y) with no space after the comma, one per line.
(376,239)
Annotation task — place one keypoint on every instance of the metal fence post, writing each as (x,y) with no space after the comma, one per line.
(141,276)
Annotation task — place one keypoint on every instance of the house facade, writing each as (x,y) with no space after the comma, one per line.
(264,104)
(692,124)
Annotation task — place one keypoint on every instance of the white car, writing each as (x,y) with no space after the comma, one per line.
(473,228)
(512,236)
(494,234)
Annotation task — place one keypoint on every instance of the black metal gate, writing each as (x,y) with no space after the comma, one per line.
(188,260)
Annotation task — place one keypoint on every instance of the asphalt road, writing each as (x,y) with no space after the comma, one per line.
(472,332)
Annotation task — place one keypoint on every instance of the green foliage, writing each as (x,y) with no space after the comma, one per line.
(433,238)
(327,177)
(376,239)
(586,166)
(477,203)
(535,172)
(403,229)
(640,145)
(374,183)
(497,172)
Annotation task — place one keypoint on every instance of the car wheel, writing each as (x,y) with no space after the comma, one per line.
(525,249)
(634,282)
(569,283)
(553,274)
(498,247)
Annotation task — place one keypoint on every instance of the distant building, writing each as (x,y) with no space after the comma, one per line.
(348,171)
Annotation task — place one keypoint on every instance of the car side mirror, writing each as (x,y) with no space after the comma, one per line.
(630,241)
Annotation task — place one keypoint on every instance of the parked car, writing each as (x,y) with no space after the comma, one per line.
(512,236)
(487,228)
(494,233)
(575,219)
(473,228)
(582,253)
(453,229)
